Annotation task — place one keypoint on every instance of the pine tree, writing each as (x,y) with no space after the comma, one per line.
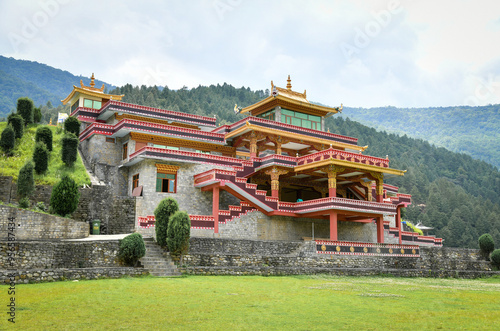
(69,149)
(25,108)
(72,125)
(26,181)
(8,139)
(179,227)
(37,115)
(44,134)
(165,209)
(65,197)
(41,158)
(17,123)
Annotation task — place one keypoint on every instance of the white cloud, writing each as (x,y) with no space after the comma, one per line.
(404,53)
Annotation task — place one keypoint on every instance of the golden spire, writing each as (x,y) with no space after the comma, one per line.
(92,83)
(289,83)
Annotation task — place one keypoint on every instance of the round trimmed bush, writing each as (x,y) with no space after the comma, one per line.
(132,248)
(41,158)
(44,134)
(17,123)
(25,108)
(69,149)
(26,180)
(65,197)
(179,228)
(495,258)
(8,139)
(166,208)
(486,243)
(72,125)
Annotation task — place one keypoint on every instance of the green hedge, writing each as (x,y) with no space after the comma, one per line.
(65,197)
(72,125)
(8,139)
(495,258)
(41,158)
(132,248)
(17,123)
(25,108)
(69,149)
(44,134)
(486,243)
(179,227)
(165,209)
(26,180)
(37,115)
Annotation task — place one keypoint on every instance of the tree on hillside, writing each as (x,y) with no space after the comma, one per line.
(26,181)
(72,125)
(41,157)
(25,108)
(8,139)
(44,134)
(165,209)
(17,123)
(69,150)
(37,115)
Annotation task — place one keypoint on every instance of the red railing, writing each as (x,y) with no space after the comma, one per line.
(156,110)
(343,155)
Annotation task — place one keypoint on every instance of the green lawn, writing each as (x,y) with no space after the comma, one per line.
(23,151)
(258,303)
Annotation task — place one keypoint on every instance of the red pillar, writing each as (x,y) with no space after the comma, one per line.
(380,230)
(332,192)
(333,226)
(398,222)
(215,208)
(275,193)
(380,198)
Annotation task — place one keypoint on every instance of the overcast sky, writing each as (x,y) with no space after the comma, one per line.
(360,53)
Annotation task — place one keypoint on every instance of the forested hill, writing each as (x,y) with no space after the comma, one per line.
(471,130)
(454,193)
(20,78)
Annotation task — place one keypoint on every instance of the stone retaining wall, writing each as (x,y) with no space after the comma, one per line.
(60,254)
(52,275)
(249,257)
(29,225)
(117,213)
(41,261)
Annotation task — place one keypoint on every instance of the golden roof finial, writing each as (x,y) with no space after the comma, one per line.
(289,83)
(92,83)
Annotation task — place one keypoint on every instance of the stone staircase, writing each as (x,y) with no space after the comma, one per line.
(158,262)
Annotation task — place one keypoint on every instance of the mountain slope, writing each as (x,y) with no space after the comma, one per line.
(20,78)
(471,130)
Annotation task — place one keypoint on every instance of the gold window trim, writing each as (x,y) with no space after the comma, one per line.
(167,169)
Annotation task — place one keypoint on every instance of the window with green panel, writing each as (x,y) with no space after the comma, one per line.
(88,103)
(166,182)
(300,119)
(268,115)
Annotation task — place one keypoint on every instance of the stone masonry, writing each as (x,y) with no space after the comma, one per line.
(31,225)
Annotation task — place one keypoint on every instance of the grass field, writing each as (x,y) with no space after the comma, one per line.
(258,303)
(23,152)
